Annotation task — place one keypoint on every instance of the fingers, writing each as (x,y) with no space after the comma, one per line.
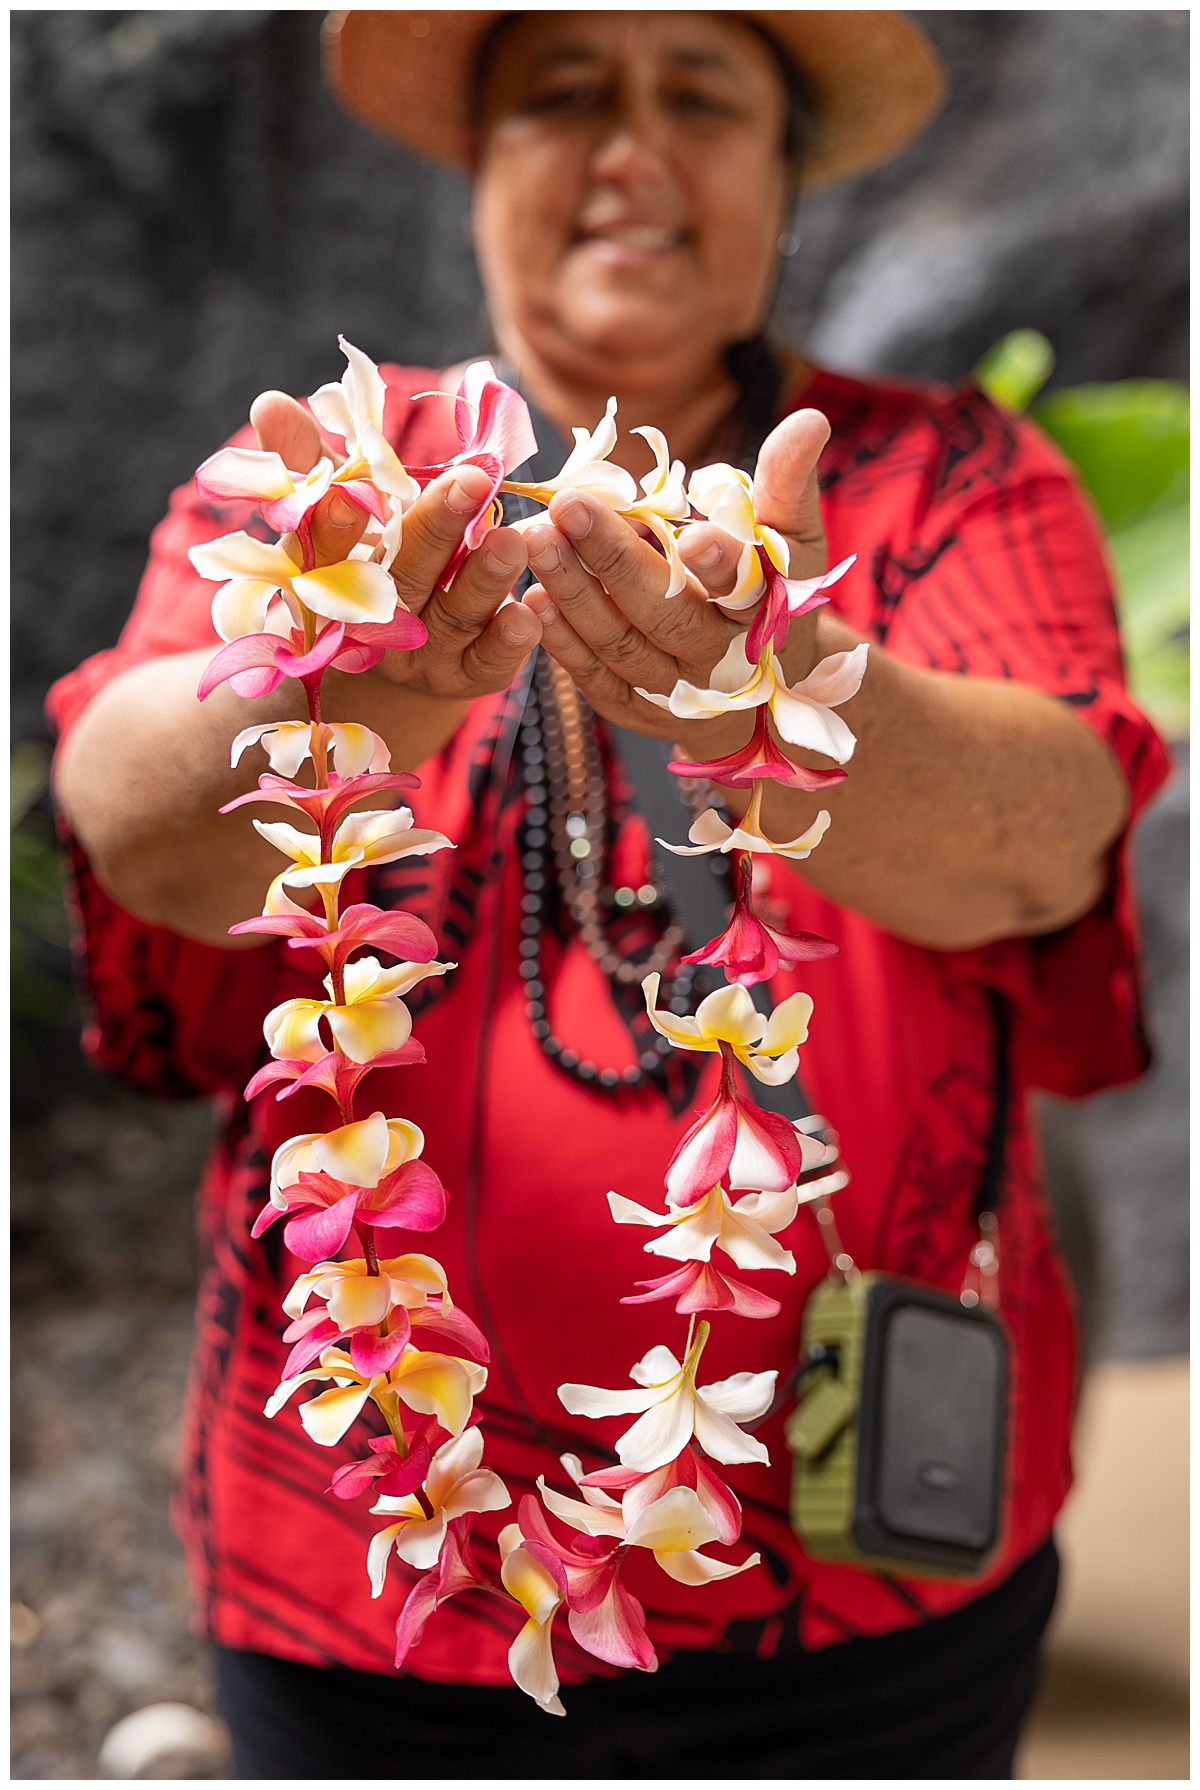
(606,576)
(593,616)
(336,525)
(433,529)
(711,556)
(454,617)
(492,661)
(608,692)
(284,427)
(786,494)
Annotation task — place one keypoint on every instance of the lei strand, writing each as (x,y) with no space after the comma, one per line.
(381,1328)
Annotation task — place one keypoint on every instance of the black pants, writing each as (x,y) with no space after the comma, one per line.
(945,1700)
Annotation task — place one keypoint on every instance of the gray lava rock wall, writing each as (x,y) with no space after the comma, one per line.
(194,220)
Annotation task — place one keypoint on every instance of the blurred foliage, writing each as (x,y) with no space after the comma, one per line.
(1129,443)
(1014,369)
(37,919)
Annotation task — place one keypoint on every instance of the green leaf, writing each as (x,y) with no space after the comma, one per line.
(28,775)
(1129,441)
(1015,368)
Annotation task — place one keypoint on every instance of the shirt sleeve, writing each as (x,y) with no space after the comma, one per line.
(168,1015)
(1011,580)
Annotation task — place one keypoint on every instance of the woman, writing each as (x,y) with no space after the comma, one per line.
(633,175)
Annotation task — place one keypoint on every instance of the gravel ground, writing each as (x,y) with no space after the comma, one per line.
(104,1269)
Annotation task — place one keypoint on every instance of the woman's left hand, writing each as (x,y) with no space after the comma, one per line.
(606,619)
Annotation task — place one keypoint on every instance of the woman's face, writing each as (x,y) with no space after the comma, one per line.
(631,187)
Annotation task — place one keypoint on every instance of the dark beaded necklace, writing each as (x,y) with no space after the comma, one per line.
(564,853)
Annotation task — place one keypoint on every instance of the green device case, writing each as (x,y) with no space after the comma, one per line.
(899,1437)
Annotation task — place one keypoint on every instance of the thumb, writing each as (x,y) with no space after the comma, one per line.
(786,494)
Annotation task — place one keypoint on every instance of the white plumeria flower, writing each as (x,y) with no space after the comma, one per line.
(355,750)
(675,1409)
(354,1297)
(662,503)
(353,409)
(673,1527)
(531,1657)
(360,1154)
(742,1228)
(441,1386)
(375,836)
(802,712)
(370,1020)
(352,590)
(455,1485)
(725,494)
(768,1048)
(708,832)
(587,468)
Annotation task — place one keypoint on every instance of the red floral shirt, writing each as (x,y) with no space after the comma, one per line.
(977,556)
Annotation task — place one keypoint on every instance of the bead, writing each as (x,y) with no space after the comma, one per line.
(609,1078)
(632,1076)
(531,860)
(527,971)
(541,1030)
(535,991)
(531,926)
(531,904)
(625,897)
(528,948)
(586,1071)
(552,1046)
(535,838)
(568,1058)
(649,1059)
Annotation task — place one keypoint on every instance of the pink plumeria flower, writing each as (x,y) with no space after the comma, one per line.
(674,1409)
(456,1484)
(390,1467)
(495,434)
(803,712)
(605,1619)
(441,1386)
(537,1580)
(378,1312)
(728,1016)
(759,758)
(370,1018)
(749,950)
(457,1570)
(702,1286)
(365,1172)
(354,750)
(738,1145)
(255,664)
(637,1490)
(372,836)
(674,1527)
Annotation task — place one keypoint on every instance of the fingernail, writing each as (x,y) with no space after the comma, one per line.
(468,490)
(501,564)
(544,609)
(709,557)
(511,622)
(575,519)
(545,554)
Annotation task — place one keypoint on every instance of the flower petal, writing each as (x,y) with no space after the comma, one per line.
(353,590)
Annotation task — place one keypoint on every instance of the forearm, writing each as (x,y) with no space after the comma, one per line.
(974,809)
(146,769)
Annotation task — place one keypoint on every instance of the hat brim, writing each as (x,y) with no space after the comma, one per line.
(875,77)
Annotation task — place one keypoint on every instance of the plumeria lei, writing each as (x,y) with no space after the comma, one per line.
(371,1327)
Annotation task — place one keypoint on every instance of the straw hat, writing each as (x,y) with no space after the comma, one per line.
(876,79)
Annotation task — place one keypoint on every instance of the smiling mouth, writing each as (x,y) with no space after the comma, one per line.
(646,239)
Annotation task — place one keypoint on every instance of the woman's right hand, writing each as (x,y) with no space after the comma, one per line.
(477,642)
